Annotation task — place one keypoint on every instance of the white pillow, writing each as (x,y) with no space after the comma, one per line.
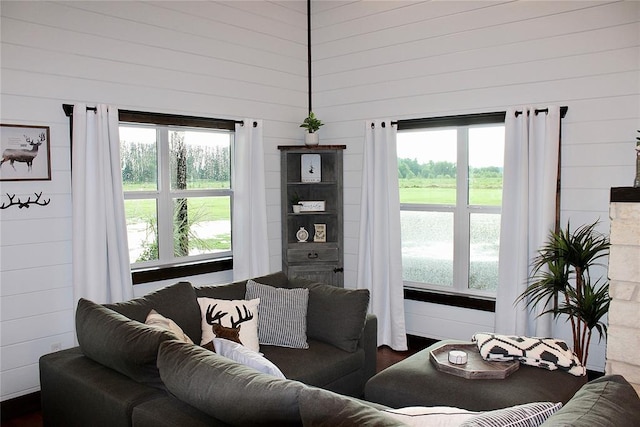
(525,415)
(156,319)
(436,416)
(241,354)
(228,313)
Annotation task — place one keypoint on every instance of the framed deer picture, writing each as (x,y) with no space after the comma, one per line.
(26,153)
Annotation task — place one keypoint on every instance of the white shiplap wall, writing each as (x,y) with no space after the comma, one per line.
(235,59)
(400,60)
(215,59)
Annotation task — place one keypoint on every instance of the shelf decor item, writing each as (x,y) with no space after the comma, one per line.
(295,203)
(311,124)
(302,235)
(310,168)
(320,233)
(312,206)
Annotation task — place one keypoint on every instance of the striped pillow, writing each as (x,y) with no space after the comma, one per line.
(527,415)
(283,315)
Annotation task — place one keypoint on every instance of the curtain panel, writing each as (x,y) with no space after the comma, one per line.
(532,141)
(101,269)
(380,251)
(249,222)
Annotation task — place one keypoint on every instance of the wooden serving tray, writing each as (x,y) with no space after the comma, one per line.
(475,368)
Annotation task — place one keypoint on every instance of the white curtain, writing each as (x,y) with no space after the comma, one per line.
(101,270)
(250,244)
(379,256)
(528,212)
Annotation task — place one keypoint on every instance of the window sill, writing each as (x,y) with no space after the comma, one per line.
(174,272)
(462,301)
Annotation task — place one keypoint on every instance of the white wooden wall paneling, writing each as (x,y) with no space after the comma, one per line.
(455,33)
(31,281)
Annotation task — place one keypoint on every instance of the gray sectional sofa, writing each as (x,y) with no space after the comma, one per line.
(125,373)
(116,377)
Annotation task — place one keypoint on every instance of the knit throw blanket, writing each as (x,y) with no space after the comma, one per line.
(547,353)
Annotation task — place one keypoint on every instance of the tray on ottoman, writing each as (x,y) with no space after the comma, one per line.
(475,368)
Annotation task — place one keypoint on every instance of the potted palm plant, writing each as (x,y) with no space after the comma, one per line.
(560,279)
(311,124)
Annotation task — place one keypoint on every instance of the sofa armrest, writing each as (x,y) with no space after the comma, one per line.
(78,391)
(369,343)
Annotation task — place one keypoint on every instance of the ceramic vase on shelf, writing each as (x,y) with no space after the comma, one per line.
(311,138)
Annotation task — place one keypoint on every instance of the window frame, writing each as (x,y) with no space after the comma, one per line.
(164,196)
(455,299)
(192,265)
(459,294)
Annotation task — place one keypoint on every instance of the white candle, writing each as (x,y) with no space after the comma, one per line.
(457,357)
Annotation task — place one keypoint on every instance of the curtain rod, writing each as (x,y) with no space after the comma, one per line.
(160,117)
(479,118)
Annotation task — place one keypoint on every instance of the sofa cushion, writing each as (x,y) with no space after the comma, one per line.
(606,401)
(320,365)
(226,390)
(122,344)
(323,408)
(241,354)
(335,315)
(177,302)
(283,314)
(237,290)
(230,314)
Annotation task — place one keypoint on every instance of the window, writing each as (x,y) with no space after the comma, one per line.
(177,191)
(450,179)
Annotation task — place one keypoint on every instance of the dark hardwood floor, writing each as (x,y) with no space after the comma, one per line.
(29,420)
(385,358)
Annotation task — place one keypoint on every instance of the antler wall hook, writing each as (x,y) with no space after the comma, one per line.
(20,204)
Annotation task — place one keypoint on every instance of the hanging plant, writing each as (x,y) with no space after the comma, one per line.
(311,123)
(560,277)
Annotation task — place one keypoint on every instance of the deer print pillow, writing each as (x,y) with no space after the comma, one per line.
(230,316)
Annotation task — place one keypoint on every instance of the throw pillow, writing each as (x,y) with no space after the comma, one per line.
(436,416)
(323,408)
(335,315)
(237,314)
(527,415)
(156,319)
(547,353)
(241,354)
(283,315)
(226,390)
